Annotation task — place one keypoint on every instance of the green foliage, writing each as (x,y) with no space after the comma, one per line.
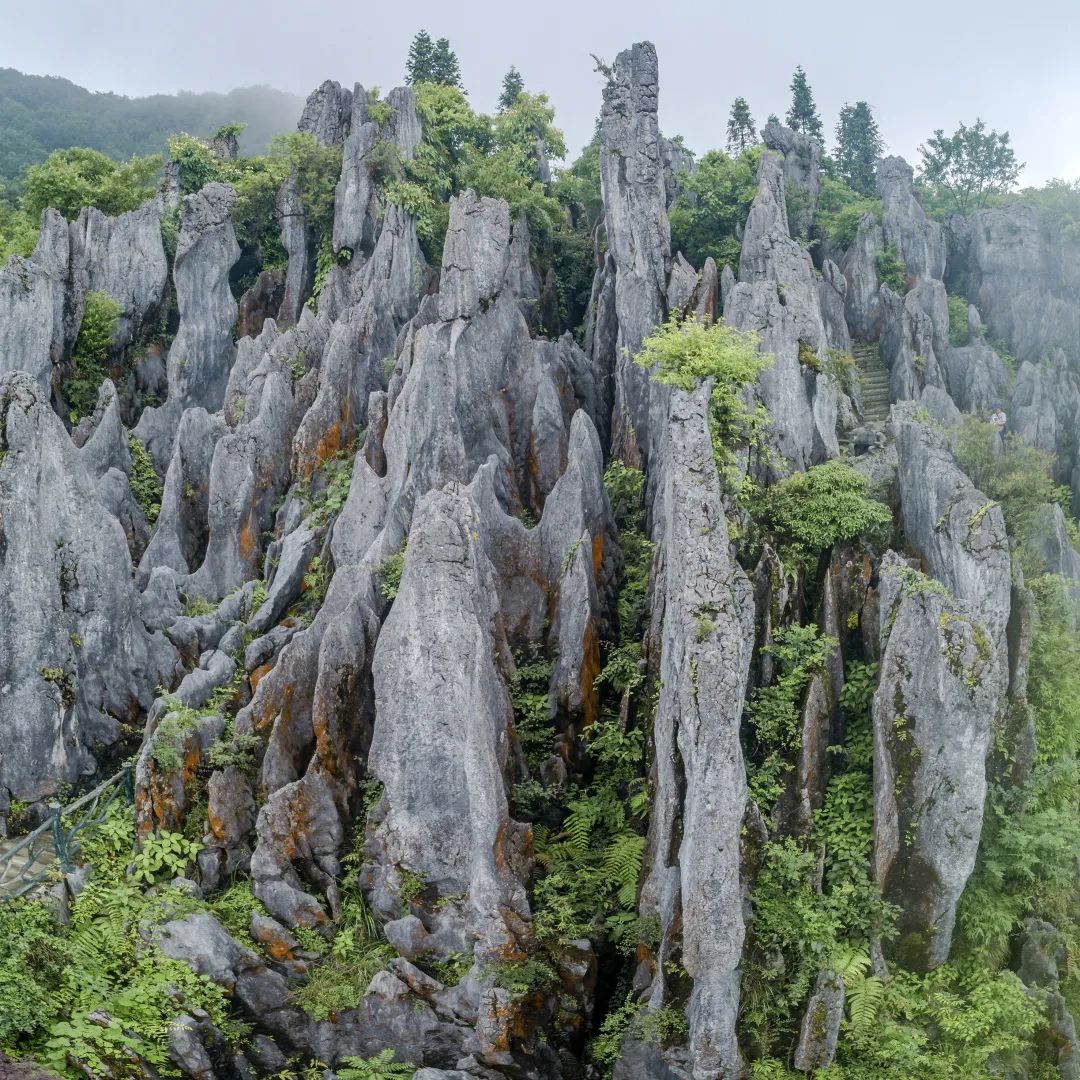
(684,353)
(145,484)
(808,512)
(18,232)
(839,210)
(741,132)
(356,953)
(958,321)
(969,165)
(1017,475)
(333,480)
(380,1067)
(858,146)
(167,853)
(68,180)
(803,114)
(525,977)
(513,85)
(892,269)
(529,698)
(389,574)
(432,62)
(93,996)
(709,215)
(194,160)
(90,354)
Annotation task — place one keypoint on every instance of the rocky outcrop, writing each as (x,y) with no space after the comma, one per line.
(933,716)
(76,660)
(862,304)
(957,531)
(802,172)
(202,352)
(700,641)
(777,297)
(32,298)
(639,240)
(919,240)
(327,113)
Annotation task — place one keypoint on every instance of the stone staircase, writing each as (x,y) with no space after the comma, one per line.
(874,391)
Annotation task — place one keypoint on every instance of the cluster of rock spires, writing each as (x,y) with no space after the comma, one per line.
(468,419)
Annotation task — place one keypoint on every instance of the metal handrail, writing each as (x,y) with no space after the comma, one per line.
(59,832)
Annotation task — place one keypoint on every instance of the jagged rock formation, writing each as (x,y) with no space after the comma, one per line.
(381,508)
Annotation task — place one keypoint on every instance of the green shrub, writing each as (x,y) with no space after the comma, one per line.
(69,179)
(380,1067)
(958,322)
(684,353)
(839,211)
(145,484)
(90,354)
(809,512)
(892,270)
(389,574)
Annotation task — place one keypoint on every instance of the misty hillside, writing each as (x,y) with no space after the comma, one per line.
(42,113)
(464,617)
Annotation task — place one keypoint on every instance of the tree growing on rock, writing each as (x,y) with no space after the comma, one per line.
(513,85)
(803,114)
(858,146)
(432,62)
(740,128)
(970,165)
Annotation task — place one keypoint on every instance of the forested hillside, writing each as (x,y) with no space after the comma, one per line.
(609,620)
(40,114)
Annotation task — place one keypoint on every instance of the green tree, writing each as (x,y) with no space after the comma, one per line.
(858,146)
(803,114)
(740,128)
(419,66)
(445,68)
(716,199)
(970,165)
(68,180)
(512,85)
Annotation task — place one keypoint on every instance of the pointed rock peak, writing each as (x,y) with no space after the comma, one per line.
(476,255)
(326,113)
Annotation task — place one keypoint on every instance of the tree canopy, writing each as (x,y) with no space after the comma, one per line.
(970,165)
(858,146)
(740,128)
(803,114)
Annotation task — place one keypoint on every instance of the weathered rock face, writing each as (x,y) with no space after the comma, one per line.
(1044,406)
(862,305)
(678,163)
(777,296)
(124,257)
(32,293)
(1023,280)
(356,204)
(802,173)
(958,532)
(701,640)
(202,351)
(327,113)
(75,659)
(920,241)
(639,238)
(933,714)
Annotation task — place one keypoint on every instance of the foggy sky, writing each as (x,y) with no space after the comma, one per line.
(920,64)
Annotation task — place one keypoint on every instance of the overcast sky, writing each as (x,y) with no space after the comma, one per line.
(921,64)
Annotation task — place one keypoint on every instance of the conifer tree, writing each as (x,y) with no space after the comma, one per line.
(803,114)
(418,67)
(512,86)
(740,128)
(445,67)
(858,146)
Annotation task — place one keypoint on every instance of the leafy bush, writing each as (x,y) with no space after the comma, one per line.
(810,511)
(90,354)
(67,180)
(684,353)
(145,484)
(892,270)
(389,574)
(958,321)
(709,215)
(839,211)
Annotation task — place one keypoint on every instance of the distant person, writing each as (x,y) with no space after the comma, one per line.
(999,420)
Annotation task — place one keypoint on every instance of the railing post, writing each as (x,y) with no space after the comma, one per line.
(60,838)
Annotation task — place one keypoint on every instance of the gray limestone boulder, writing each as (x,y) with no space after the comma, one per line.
(202,352)
(327,113)
(76,660)
(820,1028)
(862,304)
(920,241)
(701,637)
(933,716)
(32,304)
(802,172)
